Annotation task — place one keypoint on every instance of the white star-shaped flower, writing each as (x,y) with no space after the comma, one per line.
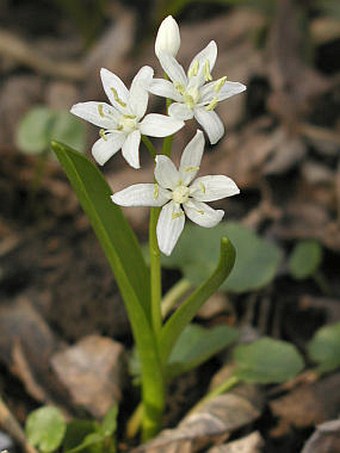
(121,122)
(180,194)
(195,93)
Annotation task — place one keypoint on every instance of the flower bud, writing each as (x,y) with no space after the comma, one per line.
(168,38)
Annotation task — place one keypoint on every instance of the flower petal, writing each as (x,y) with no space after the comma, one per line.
(168,38)
(202,214)
(130,149)
(211,123)
(180,111)
(141,195)
(169,227)
(191,158)
(211,188)
(157,125)
(229,89)
(173,69)
(164,88)
(166,173)
(115,89)
(104,148)
(139,95)
(98,113)
(204,61)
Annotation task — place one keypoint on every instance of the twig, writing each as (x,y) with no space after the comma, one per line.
(13,47)
(11,425)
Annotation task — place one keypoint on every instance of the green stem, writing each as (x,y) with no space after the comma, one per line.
(174,294)
(155,273)
(223,388)
(147,142)
(167,145)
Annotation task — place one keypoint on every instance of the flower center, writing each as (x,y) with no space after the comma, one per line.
(191,97)
(181,194)
(127,123)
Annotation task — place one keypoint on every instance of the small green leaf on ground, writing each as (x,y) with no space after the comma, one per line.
(324,348)
(267,361)
(109,424)
(45,428)
(76,432)
(257,260)
(33,133)
(198,344)
(305,259)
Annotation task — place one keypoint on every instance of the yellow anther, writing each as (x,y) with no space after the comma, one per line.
(202,187)
(206,71)
(212,105)
(189,100)
(219,84)
(194,69)
(156,191)
(179,87)
(176,215)
(117,98)
(102,134)
(101,110)
(191,169)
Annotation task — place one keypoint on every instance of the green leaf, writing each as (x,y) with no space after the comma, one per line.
(177,322)
(33,133)
(45,428)
(114,233)
(91,443)
(324,348)
(109,424)
(68,129)
(196,345)
(40,125)
(256,264)
(267,361)
(124,255)
(76,432)
(305,259)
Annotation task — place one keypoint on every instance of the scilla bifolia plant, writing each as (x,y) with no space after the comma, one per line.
(176,193)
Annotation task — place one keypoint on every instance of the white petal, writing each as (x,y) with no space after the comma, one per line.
(139,95)
(211,123)
(207,56)
(114,88)
(157,125)
(164,88)
(103,149)
(211,188)
(168,38)
(191,158)
(130,149)
(173,69)
(141,195)
(166,173)
(169,227)
(180,111)
(228,90)
(202,214)
(98,113)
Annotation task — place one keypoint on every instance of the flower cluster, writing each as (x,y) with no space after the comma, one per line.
(194,94)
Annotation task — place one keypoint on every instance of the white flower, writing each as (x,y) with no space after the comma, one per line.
(179,194)
(121,122)
(168,38)
(195,93)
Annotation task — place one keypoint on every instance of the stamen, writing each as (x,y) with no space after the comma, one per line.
(156,191)
(179,87)
(176,215)
(191,169)
(202,186)
(189,100)
(194,69)
(101,110)
(102,133)
(219,84)
(212,105)
(206,71)
(117,98)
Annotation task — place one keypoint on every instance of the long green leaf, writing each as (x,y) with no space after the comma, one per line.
(114,233)
(123,253)
(186,312)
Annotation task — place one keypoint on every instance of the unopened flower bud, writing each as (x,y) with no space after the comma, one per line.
(168,38)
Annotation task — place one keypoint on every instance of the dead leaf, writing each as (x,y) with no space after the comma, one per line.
(92,371)
(252,443)
(307,405)
(326,439)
